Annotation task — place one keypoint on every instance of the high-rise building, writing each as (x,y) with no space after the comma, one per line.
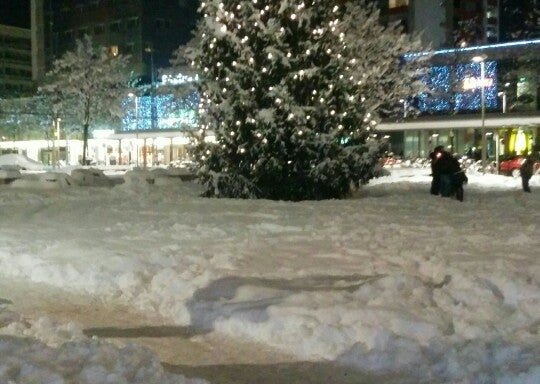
(15,62)
(147,30)
(461,23)
(519,19)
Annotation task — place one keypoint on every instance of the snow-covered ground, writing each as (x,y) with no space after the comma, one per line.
(46,352)
(392,281)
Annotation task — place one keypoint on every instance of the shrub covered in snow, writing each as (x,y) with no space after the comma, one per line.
(90,177)
(47,180)
(18,162)
(139,177)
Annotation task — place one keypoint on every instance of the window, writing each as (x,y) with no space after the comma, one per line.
(129,48)
(160,23)
(133,23)
(397,3)
(472,7)
(99,29)
(113,50)
(115,26)
(82,32)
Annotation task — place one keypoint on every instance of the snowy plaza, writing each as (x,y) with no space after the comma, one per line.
(250,192)
(393,283)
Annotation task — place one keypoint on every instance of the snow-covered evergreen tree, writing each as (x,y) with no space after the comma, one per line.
(87,83)
(293,91)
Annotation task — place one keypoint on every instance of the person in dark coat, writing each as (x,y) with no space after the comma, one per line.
(448,177)
(526,171)
(435,174)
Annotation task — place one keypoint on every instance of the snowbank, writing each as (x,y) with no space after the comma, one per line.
(18,162)
(45,352)
(8,175)
(46,180)
(90,177)
(391,281)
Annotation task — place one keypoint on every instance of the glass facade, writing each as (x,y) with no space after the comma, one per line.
(453,104)
(170,112)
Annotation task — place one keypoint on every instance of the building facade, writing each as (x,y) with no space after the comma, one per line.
(147,30)
(456,110)
(15,62)
(462,23)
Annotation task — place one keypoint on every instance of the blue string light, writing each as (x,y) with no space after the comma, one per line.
(171,112)
(447,93)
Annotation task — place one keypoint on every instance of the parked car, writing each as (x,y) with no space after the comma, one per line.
(510,166)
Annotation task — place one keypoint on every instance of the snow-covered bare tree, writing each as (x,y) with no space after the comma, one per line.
(21,118)
(87,83)
(293,92)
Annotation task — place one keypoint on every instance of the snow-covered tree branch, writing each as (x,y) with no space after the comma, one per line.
(87,83)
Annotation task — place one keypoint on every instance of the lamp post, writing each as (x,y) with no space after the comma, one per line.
(481,59)
(405,106)
(502,95)
(153,114)
(134,96)
(153,111)
(55,155)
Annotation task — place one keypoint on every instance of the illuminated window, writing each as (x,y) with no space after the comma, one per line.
(397,3)
(115,26)
(113,50)
(133,23)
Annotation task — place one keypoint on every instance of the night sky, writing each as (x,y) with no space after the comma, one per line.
(15,13)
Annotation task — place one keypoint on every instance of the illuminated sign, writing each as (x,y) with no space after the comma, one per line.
(476,82)
(178,79)
(458,88)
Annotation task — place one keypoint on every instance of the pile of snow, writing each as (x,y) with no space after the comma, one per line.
(46,180)
(19,162)
(7,175)
(146,181)
(172,176)
(90,177)
(137,178)
(45,352)
(392,281)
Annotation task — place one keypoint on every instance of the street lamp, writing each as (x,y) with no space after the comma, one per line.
(153,113)
(134,96)
(56,136)
(481,59)
(405,105)
(502,95)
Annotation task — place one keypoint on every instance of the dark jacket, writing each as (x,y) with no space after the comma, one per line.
(443,163)
(447,174)
(526,168)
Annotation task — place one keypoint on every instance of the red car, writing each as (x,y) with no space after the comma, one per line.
(511,166)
